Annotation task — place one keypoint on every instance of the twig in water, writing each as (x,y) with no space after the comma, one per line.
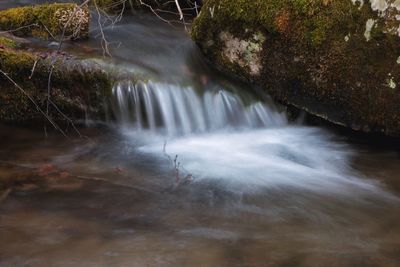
(177,167)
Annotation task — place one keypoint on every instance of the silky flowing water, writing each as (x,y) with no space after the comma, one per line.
(194,169)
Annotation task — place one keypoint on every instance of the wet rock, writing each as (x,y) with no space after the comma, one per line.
(335,59)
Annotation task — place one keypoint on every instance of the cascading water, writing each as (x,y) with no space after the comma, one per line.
(179,111)
(219,137)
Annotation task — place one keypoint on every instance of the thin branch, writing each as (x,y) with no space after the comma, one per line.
(67,118)
(57,52)
(104,42)
(33,68)
(54,124)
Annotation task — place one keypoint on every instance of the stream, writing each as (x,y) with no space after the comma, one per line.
(195,169)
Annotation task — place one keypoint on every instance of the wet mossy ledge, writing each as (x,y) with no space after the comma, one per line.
(337,59)
(79,88)
(47,20)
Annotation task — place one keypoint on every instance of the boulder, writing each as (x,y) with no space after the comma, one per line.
(337,59)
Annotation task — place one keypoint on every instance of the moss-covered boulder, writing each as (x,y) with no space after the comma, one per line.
(79,88)
(48,20)
(338,59)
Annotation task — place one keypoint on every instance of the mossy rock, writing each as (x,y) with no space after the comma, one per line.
(79,88)
(48,20)
(337,59)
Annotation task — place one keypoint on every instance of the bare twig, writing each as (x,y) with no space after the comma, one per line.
(20,28)
(179,9)
(154,12)
(104,42)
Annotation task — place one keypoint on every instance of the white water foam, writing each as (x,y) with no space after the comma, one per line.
(247,148)
(299,158)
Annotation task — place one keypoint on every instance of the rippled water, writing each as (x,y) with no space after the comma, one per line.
(196,170)
(282,197)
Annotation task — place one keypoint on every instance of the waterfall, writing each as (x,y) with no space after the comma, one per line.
(176,110)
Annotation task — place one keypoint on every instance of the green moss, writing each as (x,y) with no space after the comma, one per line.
(16,63)
(46,20)
(311,21)
(7,42)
